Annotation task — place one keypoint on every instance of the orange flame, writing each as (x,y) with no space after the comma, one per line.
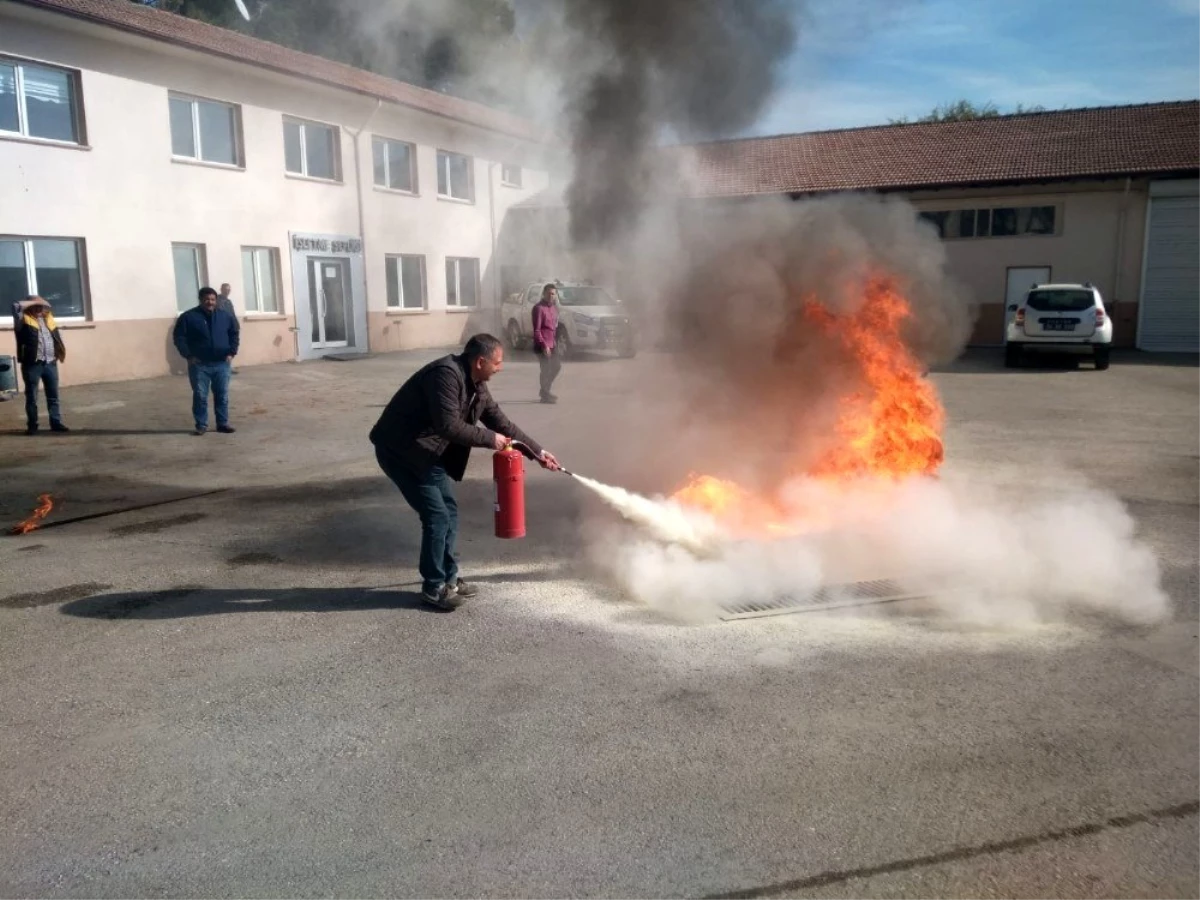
(890,429)
(45,504)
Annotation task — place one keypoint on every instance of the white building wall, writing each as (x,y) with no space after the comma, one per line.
(129,200)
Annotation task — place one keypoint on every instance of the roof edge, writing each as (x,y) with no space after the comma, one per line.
(519,128)
(1195,101)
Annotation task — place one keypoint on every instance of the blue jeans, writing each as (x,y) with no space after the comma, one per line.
(432,496)
(202,376)
(41,373)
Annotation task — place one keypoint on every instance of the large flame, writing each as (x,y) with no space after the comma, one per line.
(45,504)
(888,429)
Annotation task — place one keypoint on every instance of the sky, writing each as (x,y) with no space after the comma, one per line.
(865,62)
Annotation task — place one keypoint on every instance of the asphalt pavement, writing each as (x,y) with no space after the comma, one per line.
(219,680)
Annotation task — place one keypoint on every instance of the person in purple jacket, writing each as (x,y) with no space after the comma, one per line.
(545,331)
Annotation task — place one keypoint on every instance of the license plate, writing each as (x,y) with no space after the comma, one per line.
(1058,325)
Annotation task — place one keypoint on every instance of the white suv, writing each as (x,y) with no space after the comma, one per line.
(1063,317)
(589,318)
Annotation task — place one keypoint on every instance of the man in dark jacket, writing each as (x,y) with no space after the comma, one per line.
(207,337)
(424,438)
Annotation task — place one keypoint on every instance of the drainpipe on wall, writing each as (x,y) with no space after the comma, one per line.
(495,263)
(1119,263)
(362,223)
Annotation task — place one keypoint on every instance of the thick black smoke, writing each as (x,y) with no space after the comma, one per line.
(694,68)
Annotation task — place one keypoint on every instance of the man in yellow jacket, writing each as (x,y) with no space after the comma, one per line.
(40,349)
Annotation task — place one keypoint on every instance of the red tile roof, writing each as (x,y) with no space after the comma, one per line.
(1150,139)
(158,25)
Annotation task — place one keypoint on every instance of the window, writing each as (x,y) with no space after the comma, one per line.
(205,130)
(394,165)
(1005,221)
(40,102)
(52,268)
(406,282)
(260,279)
(311,149)
(510,175)
(190,273)
(1061,300)
(454,176)
(462,282)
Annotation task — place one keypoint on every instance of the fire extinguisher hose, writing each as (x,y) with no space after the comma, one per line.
(528,453)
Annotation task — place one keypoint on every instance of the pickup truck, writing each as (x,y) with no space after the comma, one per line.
(589,318)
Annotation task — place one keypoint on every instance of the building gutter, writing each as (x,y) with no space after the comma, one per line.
(362,221)
(495,263)
(1119,262)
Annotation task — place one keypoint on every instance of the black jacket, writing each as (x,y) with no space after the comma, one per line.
(207,336)
(432,420)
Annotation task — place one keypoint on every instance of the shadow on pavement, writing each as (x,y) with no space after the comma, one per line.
(364,521)
(990,361)
(188,601)
(183,602)
(97,432)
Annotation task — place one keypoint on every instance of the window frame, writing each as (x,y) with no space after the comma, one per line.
(986,215)
(272,253)
(413,175)
(505,181)
(337,150)
(458,260)
(402,308)
(75,87)
(193,101)
(470,198)
(201,262)
(31,270)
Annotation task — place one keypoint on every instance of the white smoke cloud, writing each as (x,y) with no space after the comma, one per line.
(981,556)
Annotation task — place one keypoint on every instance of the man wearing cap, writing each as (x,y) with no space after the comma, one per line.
(40,349)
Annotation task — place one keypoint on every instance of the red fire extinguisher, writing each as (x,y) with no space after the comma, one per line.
(508,470)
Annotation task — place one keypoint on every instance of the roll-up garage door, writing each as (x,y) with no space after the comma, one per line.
(1170,301)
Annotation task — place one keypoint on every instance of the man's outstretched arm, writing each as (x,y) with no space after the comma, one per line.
(494,418)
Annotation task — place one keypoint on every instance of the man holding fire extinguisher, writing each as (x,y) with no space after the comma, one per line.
(423,440)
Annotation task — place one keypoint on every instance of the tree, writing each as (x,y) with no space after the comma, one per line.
(965,111)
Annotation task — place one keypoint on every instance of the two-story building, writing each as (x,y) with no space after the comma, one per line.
(144,154)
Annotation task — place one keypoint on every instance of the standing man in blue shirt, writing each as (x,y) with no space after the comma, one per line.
(207,337)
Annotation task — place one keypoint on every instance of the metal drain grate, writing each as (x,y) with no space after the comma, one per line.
(834,596)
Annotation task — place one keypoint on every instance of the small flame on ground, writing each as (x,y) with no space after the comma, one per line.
(889,430)
(45,504)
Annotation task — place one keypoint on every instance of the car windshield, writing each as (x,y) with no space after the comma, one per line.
(584,296)
(1063,300)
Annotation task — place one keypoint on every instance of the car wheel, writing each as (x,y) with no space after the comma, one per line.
(513,333)
(1101,358)
(1012,355)
(628,351)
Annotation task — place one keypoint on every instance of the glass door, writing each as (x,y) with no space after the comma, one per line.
(328,301)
